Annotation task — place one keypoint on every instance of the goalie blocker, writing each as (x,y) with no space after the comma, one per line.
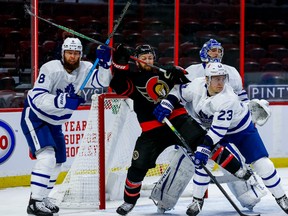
(177,176)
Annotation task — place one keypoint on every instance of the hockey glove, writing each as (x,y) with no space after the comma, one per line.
(176,74)
(104,55)
(164,109)
(121,57)
(201,155)
(64,100)
(260,111)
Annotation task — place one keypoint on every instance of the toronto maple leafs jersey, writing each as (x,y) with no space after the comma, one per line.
(53,79)
(220,114)
(198,70)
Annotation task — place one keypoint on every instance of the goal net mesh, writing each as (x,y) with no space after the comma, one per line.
(112,125)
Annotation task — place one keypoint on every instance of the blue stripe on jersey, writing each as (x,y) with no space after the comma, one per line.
(95,77)
(241,123)
(180,89)
(41,92)
(55,118)
(215,132)
(243,96)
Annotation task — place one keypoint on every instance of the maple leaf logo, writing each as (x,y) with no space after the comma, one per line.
(69,89)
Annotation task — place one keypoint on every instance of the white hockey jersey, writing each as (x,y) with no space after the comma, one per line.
(198,70)
(220,114)
(53,79)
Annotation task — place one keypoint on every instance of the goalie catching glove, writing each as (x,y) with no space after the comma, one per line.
(260,111)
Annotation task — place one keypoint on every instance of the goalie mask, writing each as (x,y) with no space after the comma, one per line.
(211,45)
(144,49)
(71,44)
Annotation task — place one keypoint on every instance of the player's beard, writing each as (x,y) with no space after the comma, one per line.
(71,67)
(144,68)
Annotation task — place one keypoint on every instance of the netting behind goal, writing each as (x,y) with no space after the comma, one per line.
(99,170)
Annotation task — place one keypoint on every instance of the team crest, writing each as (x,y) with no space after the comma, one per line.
(69,89)
(205,119)
(155,90)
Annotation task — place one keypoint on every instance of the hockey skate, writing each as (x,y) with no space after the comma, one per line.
(195,207)
(283,203)
(125,208)
(38,208)
(51,205)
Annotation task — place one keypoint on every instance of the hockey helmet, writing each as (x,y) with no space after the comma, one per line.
(212,43)
(72,44)
(144,49)
(215,69)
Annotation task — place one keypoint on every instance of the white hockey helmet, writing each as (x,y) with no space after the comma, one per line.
(72,44)
(215,69)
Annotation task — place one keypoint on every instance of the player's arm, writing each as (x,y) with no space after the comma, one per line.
(121,82)
(166,106)
(102,75)
(220,124)
(42,99)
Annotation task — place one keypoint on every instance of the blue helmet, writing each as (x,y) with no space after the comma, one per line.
(212,43)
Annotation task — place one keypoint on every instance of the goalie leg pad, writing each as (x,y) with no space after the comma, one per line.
(248,195)
(173,182)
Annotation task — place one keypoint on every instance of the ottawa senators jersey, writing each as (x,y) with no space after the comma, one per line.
(146,89)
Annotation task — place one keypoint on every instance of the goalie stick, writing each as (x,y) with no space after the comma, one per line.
(183,141)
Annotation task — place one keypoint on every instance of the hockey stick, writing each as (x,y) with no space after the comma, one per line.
(151,65)
(27,10)
(183,141)
(106,43)
(91,39)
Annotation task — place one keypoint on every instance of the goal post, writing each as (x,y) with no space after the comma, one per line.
(98,172)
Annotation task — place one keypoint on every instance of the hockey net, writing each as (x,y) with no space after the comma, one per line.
(98,172)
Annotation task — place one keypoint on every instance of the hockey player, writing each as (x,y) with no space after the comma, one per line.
(248,193)
(227,120)
(212,51)
(146,87)
(49,104)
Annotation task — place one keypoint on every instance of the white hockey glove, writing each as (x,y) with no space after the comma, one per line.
(260,111)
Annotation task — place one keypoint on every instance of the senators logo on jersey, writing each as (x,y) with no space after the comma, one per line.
(155,90)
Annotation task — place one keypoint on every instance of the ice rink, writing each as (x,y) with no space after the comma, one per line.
(13,202)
